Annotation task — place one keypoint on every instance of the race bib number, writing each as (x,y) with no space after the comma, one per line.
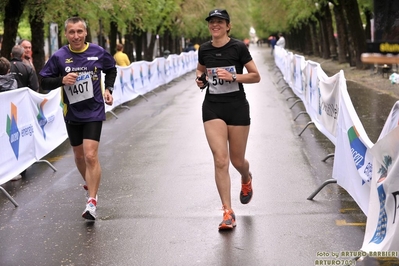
(220,86)
(81,90)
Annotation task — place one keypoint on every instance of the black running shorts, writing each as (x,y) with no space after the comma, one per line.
(234,113)
(77,131)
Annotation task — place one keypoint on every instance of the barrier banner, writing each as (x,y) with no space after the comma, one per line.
(49,125)
(353,161)
(322,98)
(382,227)
(312,95)
(142,77)
(124,86)
(31,126)
(329,89)
(290,69)
(299,78)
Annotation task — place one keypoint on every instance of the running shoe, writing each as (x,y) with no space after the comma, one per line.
(229,219)
(87,193)
(90,212)
(246,191)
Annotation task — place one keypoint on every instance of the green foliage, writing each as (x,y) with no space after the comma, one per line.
(181,17)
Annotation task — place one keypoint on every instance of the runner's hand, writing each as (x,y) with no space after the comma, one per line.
(70,78)
(223,74)
(108,98)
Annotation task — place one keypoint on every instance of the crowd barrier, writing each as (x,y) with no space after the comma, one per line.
(364,169)
(32,124)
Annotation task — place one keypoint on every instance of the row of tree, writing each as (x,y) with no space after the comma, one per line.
(320,27)
(325,28)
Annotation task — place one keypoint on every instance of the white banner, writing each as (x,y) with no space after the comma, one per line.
(142,77)
(329,89)
(382,229)
(299,76)
(353,162)
(31,126)
(322,98)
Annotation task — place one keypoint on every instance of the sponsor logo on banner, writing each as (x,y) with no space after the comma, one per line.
(149,73)
(328,108)
(358,150)
(14,133)
(121,80)
(41,119)
(141,75)
(159,70)
(132,77)
(12,130)
(381,230)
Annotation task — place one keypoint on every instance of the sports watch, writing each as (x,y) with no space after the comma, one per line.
(234,77)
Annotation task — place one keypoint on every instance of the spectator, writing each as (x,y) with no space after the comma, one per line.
(281,40)
(189,46)
(23,73)
(273,43)
(120,57)
(27,58)
(7,80)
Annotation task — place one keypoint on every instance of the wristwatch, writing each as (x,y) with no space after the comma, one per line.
(234,77)
(111,89)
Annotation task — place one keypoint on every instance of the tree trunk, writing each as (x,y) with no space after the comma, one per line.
(356,30)
(12,15)
(330,30)
(129,43)
(37,29)
(385,21)
(315,39)
(369,15)
(113,33)
(325,46)
(341,33)
(138,36)
(149,48)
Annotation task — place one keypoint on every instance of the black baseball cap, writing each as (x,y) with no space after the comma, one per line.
(219,13)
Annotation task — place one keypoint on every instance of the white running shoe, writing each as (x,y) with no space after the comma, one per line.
(90,212)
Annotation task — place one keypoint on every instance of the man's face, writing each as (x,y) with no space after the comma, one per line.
(27,48)
(76,35)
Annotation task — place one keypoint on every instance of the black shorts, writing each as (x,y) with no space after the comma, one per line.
(234,113)
(77,131)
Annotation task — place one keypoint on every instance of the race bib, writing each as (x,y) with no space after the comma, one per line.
(81,90)
(220,86)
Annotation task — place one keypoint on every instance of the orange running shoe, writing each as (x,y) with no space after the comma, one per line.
(246,191)
(229,219)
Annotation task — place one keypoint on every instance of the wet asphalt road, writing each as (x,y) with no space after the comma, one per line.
(158,203)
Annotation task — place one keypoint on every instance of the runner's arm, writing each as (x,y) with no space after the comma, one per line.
(50,83)
(110,76)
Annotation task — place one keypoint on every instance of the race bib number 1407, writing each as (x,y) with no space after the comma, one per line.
(81,90)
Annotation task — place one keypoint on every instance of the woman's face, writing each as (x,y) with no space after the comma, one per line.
(218,27)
